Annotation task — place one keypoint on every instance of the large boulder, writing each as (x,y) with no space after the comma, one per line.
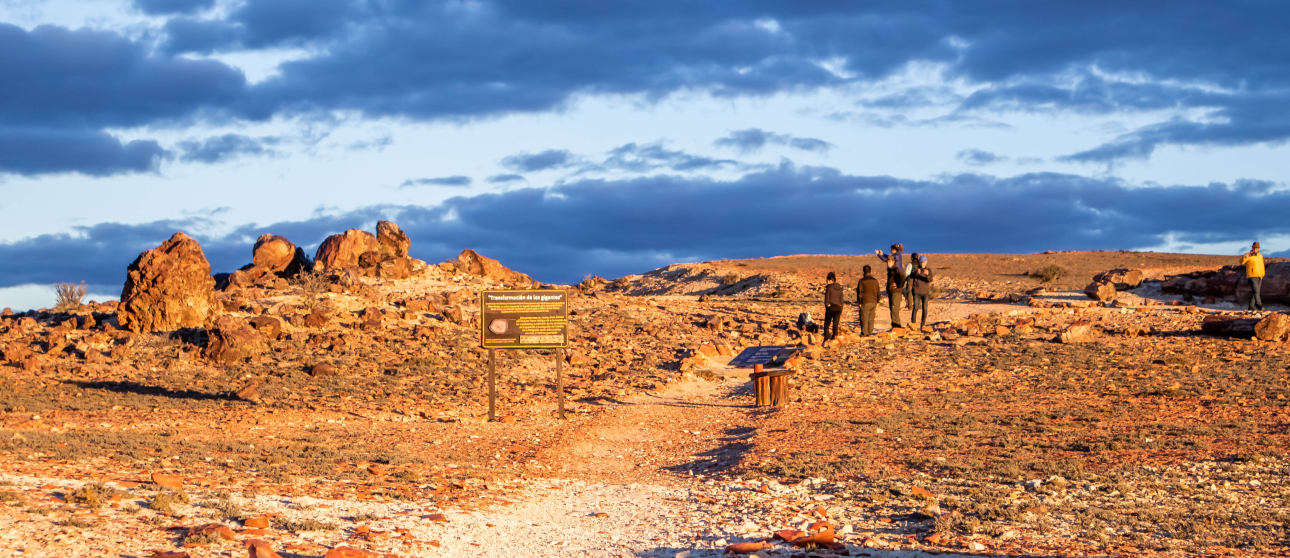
(393,241)
(273,253)
(1272,328)
(1103,291)
(1229,283)
(168,287)
(233,340)
(343,250)
(471,263)
(1123,279)
(1223,326)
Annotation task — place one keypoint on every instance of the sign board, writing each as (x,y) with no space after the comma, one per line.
(524,319)
(755,355)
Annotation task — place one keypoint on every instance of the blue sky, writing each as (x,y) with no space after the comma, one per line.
(575,137)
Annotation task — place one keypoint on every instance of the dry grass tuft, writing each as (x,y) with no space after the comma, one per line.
(70,297)
(1049,273)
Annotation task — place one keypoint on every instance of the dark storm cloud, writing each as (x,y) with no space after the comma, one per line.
(222,148)
(533,162)
(978,157)
(753,139)
(612,228)
(427,60)
(164,7)
(456,181)
(32,152)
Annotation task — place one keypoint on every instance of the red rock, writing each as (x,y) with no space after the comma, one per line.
(1122,279)
(394,268)
(261,522)
(343,250)
(233,340)
(1102,291)
(16,351)
(393,241)
(273,253)
(1079,332)
(348,552)
(437,517)
(823,538)
(708,350)
(1001,330)
(168,554)
(745,547)
(255,532)
(256,548)
(268,327)
(224,531)
(1272,328)
(920,491)
(933,539)
(168,288)
(789,534)
(316,318)
(168,481)
(471,263)
(323,370)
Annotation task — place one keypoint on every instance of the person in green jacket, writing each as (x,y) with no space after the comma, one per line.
(1253,262)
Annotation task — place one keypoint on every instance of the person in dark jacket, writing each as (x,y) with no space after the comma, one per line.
(868,290)
(832,307)
(895,283)
(898,252)
(921,288)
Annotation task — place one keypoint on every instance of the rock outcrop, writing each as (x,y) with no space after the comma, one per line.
(233,340)
(471,263)
(343,250)
(1221,326)
(1122,279)
(1229,283)
(392,239)
(168,288)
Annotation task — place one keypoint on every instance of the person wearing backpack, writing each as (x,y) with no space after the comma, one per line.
(898,253)
(832,307)
(921,278)
(895,285)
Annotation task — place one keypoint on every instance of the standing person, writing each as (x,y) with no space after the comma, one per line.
(895,282)
(832,307)
(898,252)
(867,292)
(1253,262)
(922,287)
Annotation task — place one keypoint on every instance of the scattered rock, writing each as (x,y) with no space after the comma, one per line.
(233,340)
(273,253)
(1102,291)
(1221,326)
(1273,327)
(168,288)
(167,481)
(1122,279)
(268,327)
(1079,332)
(256,548)
(323,370)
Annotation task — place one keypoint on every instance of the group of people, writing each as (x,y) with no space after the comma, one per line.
(909,285)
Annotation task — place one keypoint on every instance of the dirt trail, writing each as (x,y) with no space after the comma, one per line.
(691,426)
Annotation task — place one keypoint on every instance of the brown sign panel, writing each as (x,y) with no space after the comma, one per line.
(525,319)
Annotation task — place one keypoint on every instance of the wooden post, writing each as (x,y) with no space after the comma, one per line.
(761,386)
(492,385)
(779,391)
(559,379)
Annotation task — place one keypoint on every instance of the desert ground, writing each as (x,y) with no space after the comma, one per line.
(350,419)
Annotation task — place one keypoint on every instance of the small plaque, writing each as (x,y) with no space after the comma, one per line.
(755,355)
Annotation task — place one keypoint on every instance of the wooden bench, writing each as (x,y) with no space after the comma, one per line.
(770,387)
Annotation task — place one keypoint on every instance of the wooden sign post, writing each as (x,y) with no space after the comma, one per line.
(524,319)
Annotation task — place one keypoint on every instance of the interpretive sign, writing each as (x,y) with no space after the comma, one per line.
(527,319)
(755,355)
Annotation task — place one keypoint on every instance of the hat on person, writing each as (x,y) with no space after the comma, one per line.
(922,259)
(1256,246)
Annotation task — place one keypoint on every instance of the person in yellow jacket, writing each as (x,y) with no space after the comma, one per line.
(1253,262)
